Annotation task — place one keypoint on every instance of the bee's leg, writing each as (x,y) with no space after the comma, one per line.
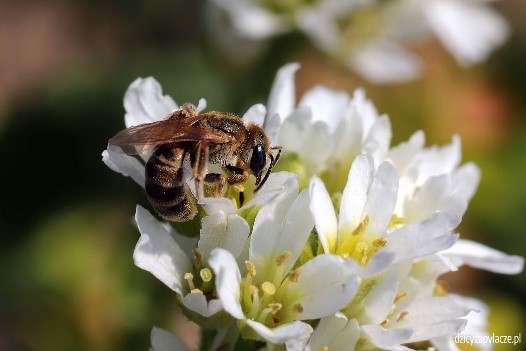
(217,182)
(200,166)
(236,174)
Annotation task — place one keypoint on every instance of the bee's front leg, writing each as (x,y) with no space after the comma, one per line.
(217,182)
(200,167)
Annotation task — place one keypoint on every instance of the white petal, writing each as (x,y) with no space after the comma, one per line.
(256,23)
(347,338)
(163,340)
(439,329)
(433,309)
(385,62)
(435,160)
(381,199)
(467,179)
(255,114)
(126,165)
(276,184)
(227,231)
(197,302)
(282,226)
(296,228)
(469,30)
(386,338)
(378,139)
(145,103)
(228,279)
(424,238)
(438,193)
(336,332)
(158,253)
(445,343)
(272,127)
(282,97)
(312,141)
(402,154)
(324,287)
(218,204)
(380,299)
(327,105)
(324,216)
(432,317)
(283,333)
(355,195)
(483,257)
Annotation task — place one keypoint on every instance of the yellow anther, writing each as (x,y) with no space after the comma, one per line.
(385,323)
(206,274)
(275,307)
(297,308)
(379,243)
(345,256)
(254,291)
(399,296)
(188,276)
(361,227)
(268,288)
(324,348)
(401,317)
(196,291)
(294,276)
(283,257)
(251,268)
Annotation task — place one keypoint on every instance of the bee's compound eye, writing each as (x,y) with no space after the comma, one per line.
(257,162)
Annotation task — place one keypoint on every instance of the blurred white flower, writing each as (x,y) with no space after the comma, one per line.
(469,29)
(369,35)
(267,296)
(163,340)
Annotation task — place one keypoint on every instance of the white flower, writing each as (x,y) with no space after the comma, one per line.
(364,224)
(369,36)
(259,20)
(158,252)
(431,179)
(271,299)
(327,129)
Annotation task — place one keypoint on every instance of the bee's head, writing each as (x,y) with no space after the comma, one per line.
(262,158)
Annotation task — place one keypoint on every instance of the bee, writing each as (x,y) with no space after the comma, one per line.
(213,138)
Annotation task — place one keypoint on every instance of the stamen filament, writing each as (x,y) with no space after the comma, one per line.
(254,291)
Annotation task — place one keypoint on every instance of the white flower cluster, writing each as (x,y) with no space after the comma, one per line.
(369,36)
(347,257)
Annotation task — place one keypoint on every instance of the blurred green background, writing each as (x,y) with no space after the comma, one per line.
(68,279)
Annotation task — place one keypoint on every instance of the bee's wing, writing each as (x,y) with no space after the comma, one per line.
(145,136)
